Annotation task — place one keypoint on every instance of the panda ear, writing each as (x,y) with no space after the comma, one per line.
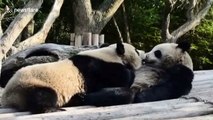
(184,45)
(120,49)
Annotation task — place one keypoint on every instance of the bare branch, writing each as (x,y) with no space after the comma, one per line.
(5,12)
(1,17)
(169,5)
(40,36)
(126,24)
(16,27)
(190,24)
(105,12)
(88,20)
(190,11)
(108,8)
(117,28)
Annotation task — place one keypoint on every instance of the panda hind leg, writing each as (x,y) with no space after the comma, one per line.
(41,100)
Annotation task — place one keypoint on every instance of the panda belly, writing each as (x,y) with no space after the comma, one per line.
(146,77)
(62,77)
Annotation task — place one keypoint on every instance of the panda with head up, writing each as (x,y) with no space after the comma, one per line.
(49,86)
(167,73)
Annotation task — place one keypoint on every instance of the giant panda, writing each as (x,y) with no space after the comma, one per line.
(48,87)
(167,73)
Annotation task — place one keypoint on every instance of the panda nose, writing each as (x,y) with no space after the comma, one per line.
(143,61)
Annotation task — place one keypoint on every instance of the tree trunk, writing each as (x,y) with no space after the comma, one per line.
(1,18)
(41,35)
(126,25)
(89,20)
(28,30)
(16,27)
(193,19)
(26,33)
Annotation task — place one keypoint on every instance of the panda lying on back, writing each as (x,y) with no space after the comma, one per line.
(47,87)
(167,74)
(171,69)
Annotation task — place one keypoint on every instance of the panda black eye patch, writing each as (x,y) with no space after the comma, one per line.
(158,53)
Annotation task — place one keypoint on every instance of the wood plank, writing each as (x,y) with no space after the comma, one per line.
(7,117)
(202,75)
(77,108)
(205,117)
(202,84)
(180,113)
(113,111)
(183,109)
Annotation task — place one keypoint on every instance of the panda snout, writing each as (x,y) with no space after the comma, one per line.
(144,60)
(147,60)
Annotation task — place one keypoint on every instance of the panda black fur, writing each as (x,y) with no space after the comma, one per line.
(171,69)
(47,87)
(175,82)
(167,74)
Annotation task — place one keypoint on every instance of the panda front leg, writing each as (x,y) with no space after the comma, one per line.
(177,83)
(41,99)
(109,96)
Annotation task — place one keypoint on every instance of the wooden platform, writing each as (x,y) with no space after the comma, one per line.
(198,105)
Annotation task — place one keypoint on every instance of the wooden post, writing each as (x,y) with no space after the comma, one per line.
(87,39)
(95,39)
(72,39)
(101,39)
(78,40)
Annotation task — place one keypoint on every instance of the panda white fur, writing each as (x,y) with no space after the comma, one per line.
(160,58)
(47,87)
(167,74)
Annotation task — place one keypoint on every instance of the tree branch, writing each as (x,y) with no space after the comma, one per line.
(108,8)
(5,12)
(1,17)
(88,20)
(16,27)
(190,10)
(40,36)
(128,38)
(105,12)
(169,5)
(190,24)
(117,28)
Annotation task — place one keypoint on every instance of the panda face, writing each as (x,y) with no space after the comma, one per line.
(132,56)
(129,55)
(122,53)
(164,55)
